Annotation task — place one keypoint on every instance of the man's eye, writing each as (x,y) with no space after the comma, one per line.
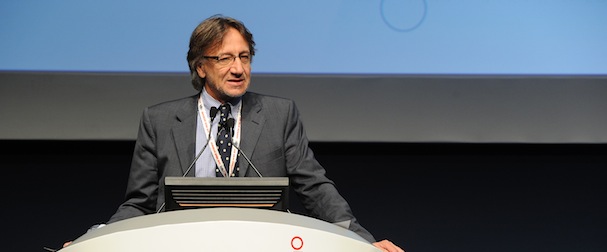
(225,59)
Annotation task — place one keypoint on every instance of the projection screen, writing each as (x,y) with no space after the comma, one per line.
(383,70)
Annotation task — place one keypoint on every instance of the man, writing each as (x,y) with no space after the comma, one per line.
(267,129)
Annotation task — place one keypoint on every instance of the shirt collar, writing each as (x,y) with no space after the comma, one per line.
(208,101)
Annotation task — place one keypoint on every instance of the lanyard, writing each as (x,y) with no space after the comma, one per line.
(206,121)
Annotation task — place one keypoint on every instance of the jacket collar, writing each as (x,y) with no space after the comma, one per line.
(252,124)
(184,133)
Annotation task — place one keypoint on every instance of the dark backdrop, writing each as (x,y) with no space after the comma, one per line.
(425,197)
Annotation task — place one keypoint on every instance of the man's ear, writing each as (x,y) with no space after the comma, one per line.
(200,70)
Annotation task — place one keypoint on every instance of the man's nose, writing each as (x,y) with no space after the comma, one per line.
(237,67)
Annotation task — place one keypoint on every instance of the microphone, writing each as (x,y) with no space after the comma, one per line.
(230,125)
(213,113)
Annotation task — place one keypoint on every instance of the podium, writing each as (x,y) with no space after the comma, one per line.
(221,229)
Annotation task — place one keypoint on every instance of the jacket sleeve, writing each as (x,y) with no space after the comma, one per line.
(142,186)
(318,193)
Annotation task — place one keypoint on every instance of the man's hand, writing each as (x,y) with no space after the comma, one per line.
(387,246)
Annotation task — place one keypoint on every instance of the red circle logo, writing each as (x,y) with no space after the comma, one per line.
(296,243)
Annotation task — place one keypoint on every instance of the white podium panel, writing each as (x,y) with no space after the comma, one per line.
(221,229)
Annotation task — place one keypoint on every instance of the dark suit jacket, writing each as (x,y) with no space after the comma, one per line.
(272,136)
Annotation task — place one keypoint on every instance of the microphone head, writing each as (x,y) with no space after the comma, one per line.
(230,123)
(213,112)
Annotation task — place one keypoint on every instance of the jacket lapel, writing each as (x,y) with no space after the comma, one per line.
(184,134)
(252,123)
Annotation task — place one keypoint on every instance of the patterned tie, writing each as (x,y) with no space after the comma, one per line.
(224,140)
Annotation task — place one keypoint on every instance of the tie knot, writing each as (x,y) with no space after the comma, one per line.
(224,111)
(224,107)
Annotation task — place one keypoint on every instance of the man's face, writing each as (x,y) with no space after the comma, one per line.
(224,82)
